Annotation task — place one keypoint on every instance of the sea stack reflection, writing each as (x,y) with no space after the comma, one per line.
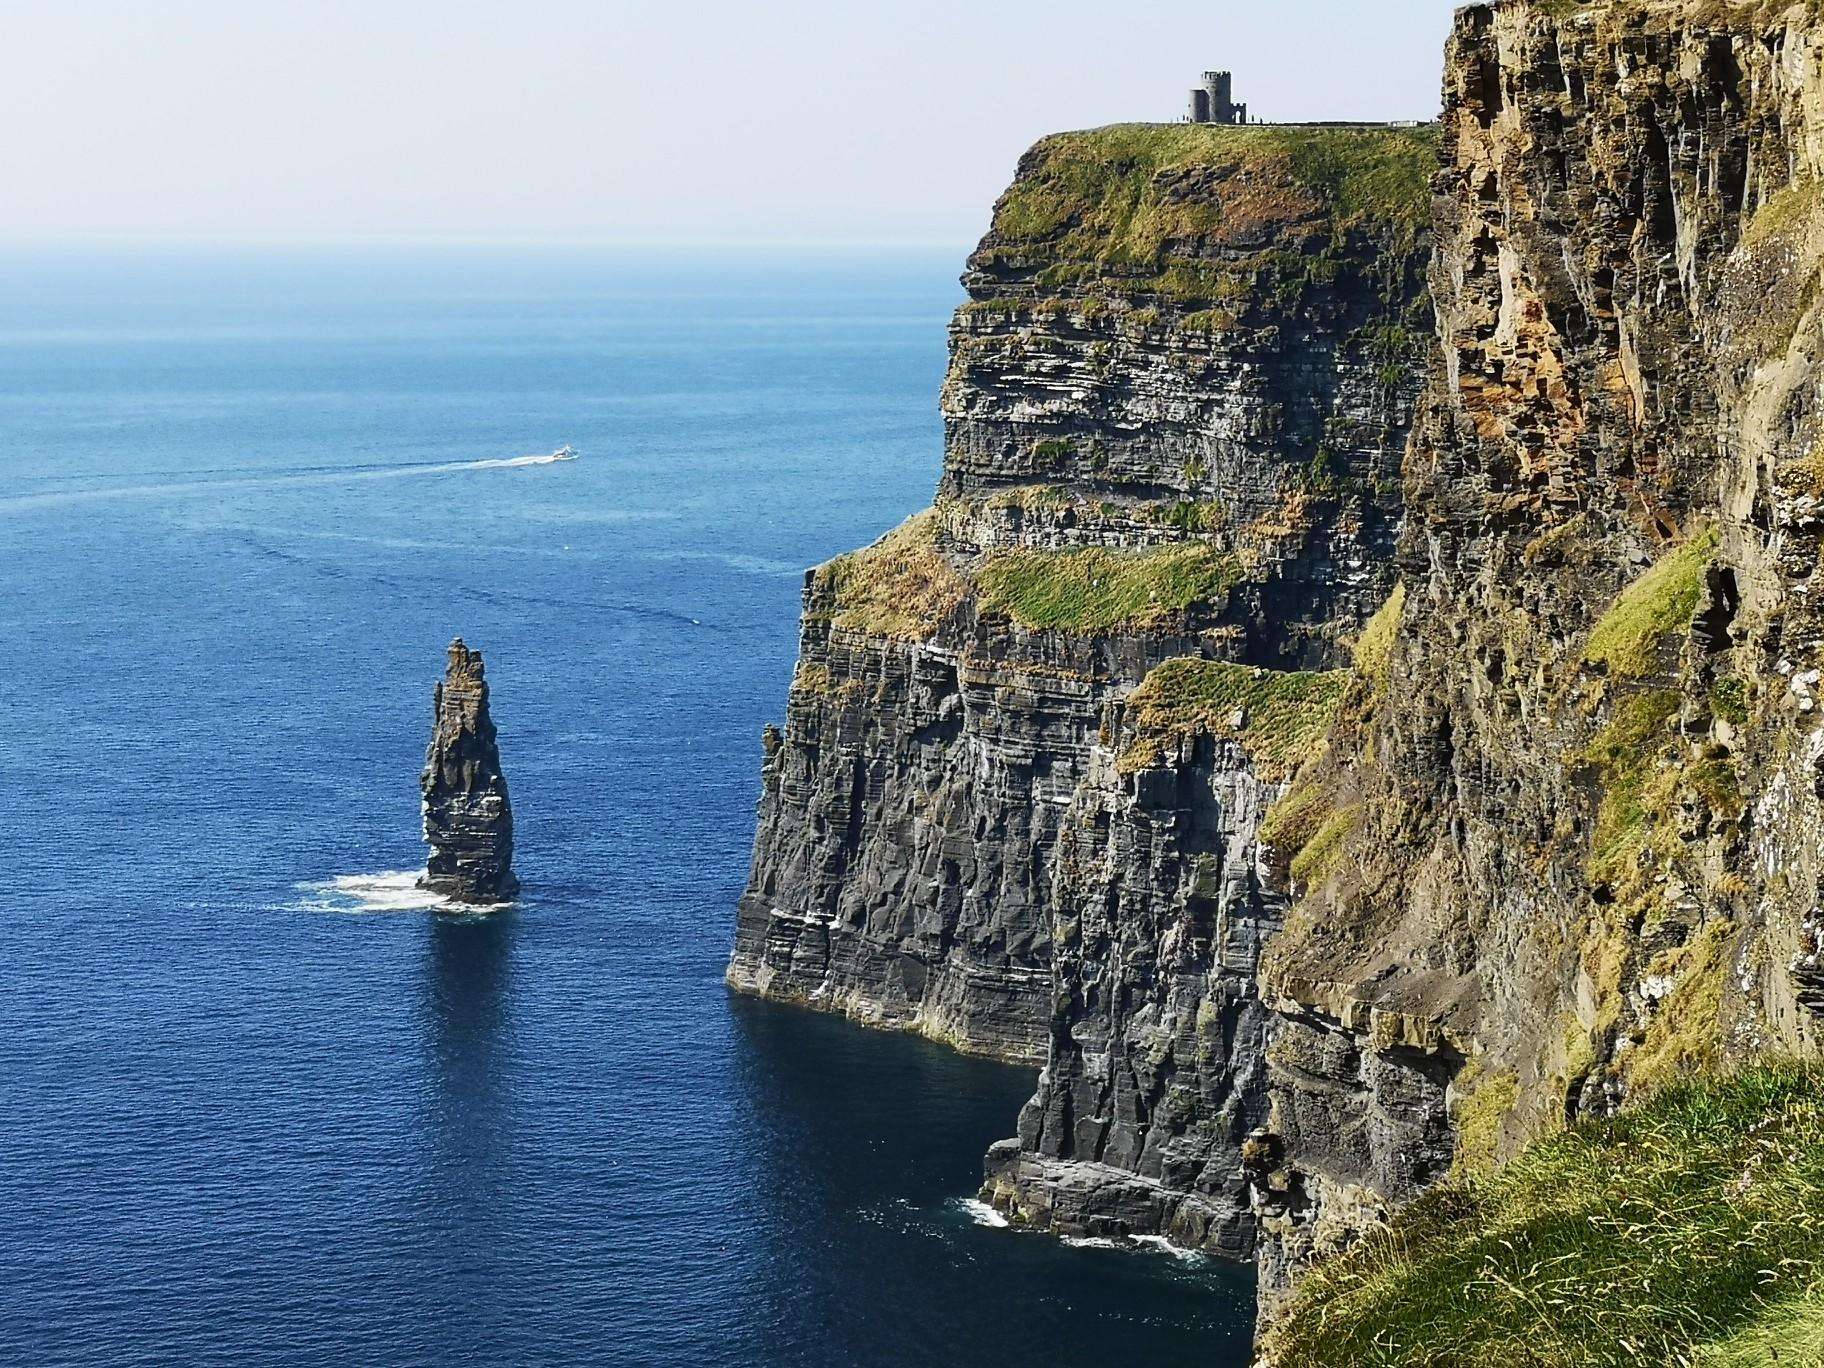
(468,820)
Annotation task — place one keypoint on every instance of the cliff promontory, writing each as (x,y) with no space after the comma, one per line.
(1034,730)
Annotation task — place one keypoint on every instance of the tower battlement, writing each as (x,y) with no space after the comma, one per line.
(1213,102)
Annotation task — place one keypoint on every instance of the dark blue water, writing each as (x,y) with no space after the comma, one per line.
(256,1107)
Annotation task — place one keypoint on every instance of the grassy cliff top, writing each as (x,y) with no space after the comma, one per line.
(901,587)
(1745,16)
(1689,1230)
(904,587)
(1129,193)
(1751,10)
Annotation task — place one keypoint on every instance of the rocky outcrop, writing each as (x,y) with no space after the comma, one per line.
(1156,1072)
(468,820)
(1581,846)
(1033,732)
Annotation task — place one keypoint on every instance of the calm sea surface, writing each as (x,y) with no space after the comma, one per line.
(260,1105)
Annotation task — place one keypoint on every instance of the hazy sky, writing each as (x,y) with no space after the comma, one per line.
(806,120)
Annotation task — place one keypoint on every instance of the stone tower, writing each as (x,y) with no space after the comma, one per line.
(1214,100)
(468,821)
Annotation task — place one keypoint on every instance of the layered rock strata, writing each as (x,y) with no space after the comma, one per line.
(1155,1073)
(1033,731)
(468,819)
(1578,850)
(1102,762)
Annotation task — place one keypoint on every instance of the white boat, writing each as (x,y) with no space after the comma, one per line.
(566,452)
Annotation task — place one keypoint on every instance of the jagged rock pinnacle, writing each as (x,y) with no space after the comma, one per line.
(468,820)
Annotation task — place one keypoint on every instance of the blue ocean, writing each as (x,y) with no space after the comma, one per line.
(260,1102)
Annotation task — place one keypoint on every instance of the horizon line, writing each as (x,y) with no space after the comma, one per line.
(644,242)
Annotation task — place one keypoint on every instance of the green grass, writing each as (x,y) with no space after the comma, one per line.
(1095,590)
(1729,700)
(1484,1104)
(816,681)
(1648,777)
(1662,601)
(1130,209)
(1688,1230)
(1293,821)
(1652,783)
(1283,715)
(1379,177)
(1031,497)
(1211,321)
(1374,647)
(1105,186)
(1789,1332)
(1189,516)
(1320,855)
(1624,754)
(900,587)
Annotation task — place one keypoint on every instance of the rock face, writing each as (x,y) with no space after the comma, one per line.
(1156,1072)
(1581,843)
(468,821)
(1033,731)
(1324,836)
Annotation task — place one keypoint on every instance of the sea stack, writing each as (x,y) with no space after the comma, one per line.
(468,820)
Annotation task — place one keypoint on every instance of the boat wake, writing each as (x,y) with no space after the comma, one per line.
(282,480)
(558,457)
(514,462)
(395,891)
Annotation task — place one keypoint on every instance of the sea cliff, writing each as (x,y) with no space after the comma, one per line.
(1352,712)
(1033,731)
(1583,836)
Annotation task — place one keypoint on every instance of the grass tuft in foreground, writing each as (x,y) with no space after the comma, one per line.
(1688,1230)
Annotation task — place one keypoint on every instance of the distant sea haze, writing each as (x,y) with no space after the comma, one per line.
(269,1104)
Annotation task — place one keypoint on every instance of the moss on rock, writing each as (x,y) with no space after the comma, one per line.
(1096,590)
(1278,716)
